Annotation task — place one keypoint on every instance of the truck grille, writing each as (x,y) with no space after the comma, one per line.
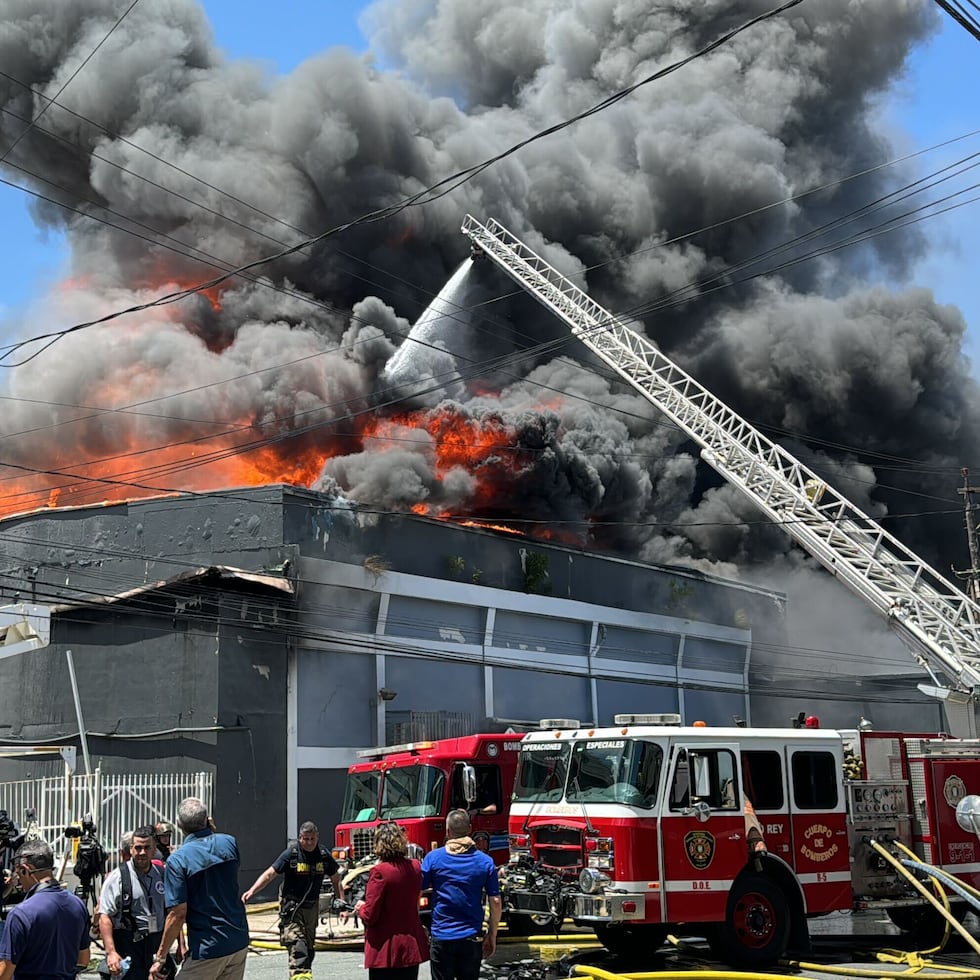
(363,842)
(559,847)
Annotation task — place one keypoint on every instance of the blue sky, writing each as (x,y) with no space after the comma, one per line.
(932,104)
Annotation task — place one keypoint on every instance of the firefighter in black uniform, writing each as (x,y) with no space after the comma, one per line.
(303,865)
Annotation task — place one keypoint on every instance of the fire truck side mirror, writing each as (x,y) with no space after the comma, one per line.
(700,811)
(469,784)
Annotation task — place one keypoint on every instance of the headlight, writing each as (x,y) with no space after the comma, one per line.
(591,881)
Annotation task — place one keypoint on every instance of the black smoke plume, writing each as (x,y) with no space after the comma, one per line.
(210,161)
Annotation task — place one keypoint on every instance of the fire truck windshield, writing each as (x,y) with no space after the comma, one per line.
(361,797)
(412,791)
(615,770)
(541,771)
(599,771)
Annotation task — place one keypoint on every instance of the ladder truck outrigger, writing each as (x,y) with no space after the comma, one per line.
(601,829)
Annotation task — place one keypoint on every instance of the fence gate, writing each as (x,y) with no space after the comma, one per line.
(117,801)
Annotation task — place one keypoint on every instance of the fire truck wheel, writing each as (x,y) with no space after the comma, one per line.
(923,923)
(631,941)
(757,924)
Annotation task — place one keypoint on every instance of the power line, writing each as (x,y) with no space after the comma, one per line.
(325,306)
(963,17)
(424,196)
(69,80)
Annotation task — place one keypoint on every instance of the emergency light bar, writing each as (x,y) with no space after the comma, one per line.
(668,719)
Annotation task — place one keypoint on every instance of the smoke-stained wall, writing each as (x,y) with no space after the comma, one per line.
(185,679)
(454,621)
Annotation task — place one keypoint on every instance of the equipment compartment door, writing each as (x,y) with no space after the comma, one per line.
(954,849)
(703,838)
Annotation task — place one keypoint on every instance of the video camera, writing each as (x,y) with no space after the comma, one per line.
(90,857)
(10,834)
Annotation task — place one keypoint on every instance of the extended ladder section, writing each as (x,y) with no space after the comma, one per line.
(938,622)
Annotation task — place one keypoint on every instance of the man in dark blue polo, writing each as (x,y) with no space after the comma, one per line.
(201,889)
(47,935)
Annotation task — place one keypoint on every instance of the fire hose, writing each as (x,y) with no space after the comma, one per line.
(940,907)
(581,969)
(914,961)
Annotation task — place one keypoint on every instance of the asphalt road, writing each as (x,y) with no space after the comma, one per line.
(839,940)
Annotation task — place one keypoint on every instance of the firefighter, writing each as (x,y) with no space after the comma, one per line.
(753,831)
(303,864)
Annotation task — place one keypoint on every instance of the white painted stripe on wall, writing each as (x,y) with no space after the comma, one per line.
(414,586)
(320,757)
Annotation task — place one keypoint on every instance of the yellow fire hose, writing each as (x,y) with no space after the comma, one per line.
(950,918)
(915,962)
(950,973)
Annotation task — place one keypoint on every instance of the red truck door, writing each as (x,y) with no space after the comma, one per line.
(820,852)
(703,839)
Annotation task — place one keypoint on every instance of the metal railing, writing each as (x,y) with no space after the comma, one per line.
(123,801)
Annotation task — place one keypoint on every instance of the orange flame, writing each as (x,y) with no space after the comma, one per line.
(108,459)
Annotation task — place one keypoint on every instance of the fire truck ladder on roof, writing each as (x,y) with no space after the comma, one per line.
(937,621)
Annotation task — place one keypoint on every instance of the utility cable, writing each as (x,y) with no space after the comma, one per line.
(302,296)
(68,81)
(424,196)
(962,17)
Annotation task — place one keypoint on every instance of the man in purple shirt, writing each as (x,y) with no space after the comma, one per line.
(47,935)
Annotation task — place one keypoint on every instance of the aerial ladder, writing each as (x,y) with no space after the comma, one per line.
(938,623)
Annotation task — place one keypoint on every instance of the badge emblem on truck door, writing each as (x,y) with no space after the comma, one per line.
(954,789)
(700,847)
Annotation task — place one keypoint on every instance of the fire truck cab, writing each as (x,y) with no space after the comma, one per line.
(417,784)
(644,828)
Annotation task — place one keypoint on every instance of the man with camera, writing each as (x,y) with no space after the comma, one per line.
(46,937)
(10,839)
(304,865)
(131,911)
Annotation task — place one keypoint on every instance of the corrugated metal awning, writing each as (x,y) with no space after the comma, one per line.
(208,573)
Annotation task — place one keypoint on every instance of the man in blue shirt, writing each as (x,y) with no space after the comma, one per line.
(201,889)
(47,933)
(459,875)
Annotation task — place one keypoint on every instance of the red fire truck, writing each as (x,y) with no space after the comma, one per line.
(417,784)
(641,829)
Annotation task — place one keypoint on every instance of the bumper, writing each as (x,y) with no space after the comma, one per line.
(606,908)
(534,902)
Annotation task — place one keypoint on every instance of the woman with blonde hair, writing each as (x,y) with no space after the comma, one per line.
(395,942)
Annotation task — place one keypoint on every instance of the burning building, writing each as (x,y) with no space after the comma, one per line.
(267,634)
(731,208)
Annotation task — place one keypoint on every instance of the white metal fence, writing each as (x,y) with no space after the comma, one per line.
(117,801)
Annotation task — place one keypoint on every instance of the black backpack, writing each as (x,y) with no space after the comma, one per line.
(126,918)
